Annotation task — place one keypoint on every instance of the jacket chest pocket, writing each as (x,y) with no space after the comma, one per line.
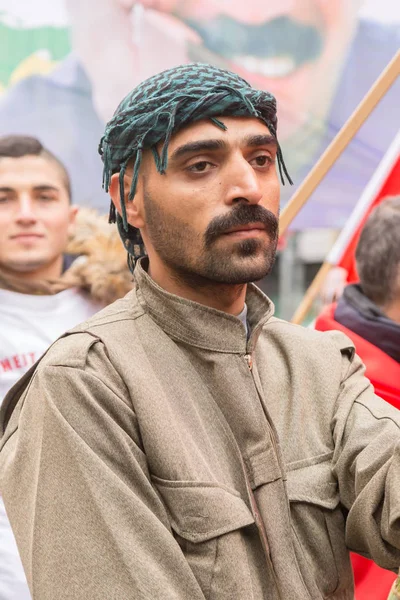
(208,521)
(319,529)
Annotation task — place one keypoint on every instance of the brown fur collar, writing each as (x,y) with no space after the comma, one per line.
(100,269)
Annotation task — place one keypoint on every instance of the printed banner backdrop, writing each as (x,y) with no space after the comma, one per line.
(66,64)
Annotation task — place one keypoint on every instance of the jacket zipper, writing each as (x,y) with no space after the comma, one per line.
(257,516)
(249,360)
(256,513)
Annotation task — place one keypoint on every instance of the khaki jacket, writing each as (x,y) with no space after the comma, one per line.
(155,453)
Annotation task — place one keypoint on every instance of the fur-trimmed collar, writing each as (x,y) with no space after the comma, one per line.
(100,268)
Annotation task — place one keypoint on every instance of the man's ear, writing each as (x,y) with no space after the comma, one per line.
(73,211)
(134,208)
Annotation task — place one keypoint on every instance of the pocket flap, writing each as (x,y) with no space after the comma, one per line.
(201,511)
(314,484)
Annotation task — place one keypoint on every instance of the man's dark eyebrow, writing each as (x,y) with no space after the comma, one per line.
(200,146)
(36,188)
(218,144)
(260,140)
(46,188)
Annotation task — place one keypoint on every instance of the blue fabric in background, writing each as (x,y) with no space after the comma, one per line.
(332,202)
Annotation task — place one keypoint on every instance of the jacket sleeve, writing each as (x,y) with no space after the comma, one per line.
(366,432)
(395,591)
(87,521)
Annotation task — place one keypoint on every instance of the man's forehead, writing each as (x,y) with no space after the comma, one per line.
(237,129)
(30,168)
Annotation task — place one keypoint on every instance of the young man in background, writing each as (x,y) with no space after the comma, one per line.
(43,290)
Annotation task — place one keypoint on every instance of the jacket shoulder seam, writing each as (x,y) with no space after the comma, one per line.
(82,370)
(383,418)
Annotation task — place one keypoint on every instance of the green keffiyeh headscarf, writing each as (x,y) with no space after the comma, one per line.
(161,105)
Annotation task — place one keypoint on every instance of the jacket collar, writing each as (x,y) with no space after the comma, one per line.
(358,313)
(198,325)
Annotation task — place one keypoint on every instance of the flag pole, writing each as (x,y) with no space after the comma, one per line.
(340,142)
(311,293)
(321,168)
(359,212)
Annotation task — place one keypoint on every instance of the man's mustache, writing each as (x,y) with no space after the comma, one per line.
(242,214)
(281,36)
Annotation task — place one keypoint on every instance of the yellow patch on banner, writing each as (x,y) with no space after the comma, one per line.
(38,63)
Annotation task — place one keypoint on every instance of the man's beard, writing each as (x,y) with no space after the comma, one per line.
(243,261)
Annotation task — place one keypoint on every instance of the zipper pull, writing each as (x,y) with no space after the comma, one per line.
(249,360)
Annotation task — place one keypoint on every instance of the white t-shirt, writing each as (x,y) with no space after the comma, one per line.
(28,325)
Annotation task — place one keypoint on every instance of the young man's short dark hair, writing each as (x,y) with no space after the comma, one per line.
(17,146)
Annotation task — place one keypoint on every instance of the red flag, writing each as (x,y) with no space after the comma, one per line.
(385,182)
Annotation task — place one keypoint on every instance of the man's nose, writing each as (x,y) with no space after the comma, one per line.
(244,183)
(26,213)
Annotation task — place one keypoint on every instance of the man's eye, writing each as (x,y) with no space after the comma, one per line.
(262,160)
(46,197)
(200,167)
(3,199)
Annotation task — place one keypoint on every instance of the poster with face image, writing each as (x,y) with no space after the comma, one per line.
(70,62)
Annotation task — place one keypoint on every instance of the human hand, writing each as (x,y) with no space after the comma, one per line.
(333,286)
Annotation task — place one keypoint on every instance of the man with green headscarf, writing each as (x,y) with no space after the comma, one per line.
(184,444)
